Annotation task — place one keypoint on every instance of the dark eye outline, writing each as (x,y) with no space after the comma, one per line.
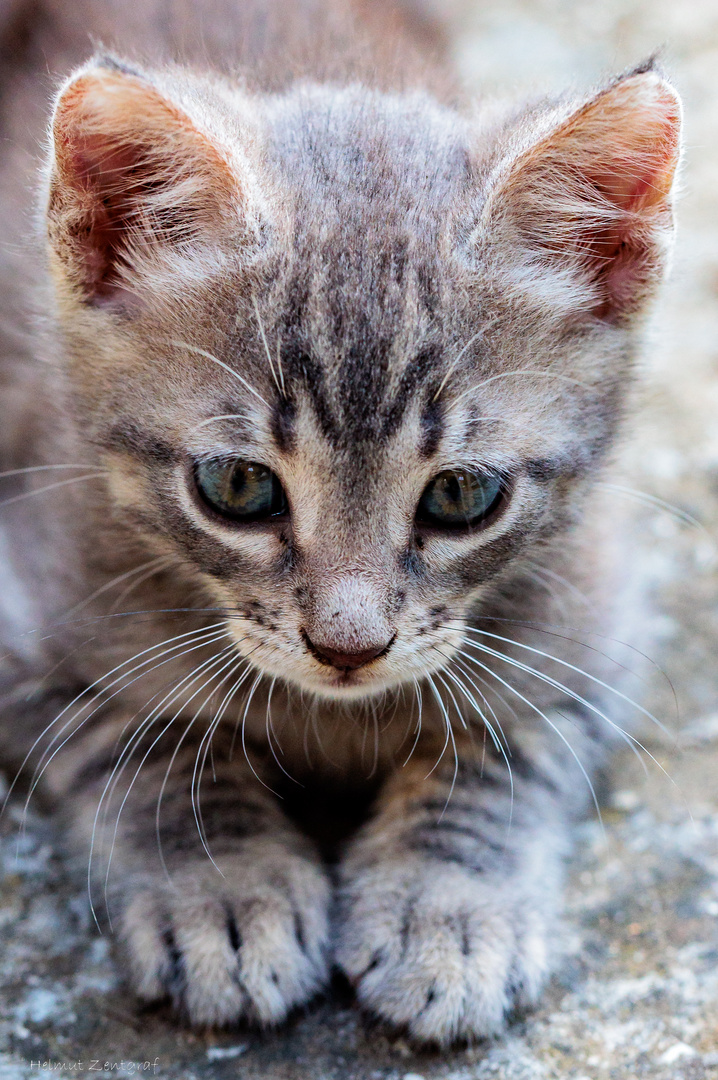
(225,515)
(480,521)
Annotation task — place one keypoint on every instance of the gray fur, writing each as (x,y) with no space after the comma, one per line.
(327,266)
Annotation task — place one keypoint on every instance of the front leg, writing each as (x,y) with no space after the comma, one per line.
(240,935)
(448,904)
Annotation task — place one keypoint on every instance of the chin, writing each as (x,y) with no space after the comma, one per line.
(349,686)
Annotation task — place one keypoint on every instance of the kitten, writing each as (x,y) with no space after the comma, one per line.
(325,375)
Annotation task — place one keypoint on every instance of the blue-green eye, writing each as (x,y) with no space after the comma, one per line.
(457,498)
(240,490)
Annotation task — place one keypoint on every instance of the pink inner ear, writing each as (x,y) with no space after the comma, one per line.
(600,188)
(640,186)
(109,184)
(623,187)
(644,157)
(131,170)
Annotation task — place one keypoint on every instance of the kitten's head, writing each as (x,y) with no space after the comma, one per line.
(350,357)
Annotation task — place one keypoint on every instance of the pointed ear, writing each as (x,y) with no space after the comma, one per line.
(592,199)
(131,171)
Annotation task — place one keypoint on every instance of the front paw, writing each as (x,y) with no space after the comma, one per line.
(247,943)
(441,950)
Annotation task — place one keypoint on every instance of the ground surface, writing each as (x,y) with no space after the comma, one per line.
(637,995)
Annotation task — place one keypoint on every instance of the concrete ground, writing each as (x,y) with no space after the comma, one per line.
(637,994)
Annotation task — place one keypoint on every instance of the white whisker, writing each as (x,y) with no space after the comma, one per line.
(535,372)
(221,363)
(419,700)
(545,718)
(254,686)
(233,664)
(505,752)
(154,563)
(630,740)
(43,468)
(568,585)
(565,664)
(98,683)
(167,561)
(552,630)
(272,737)
(279,385)
(183,650)
(461,353)
(134,742)
(449,737)
(48,487)
(221,416)
(660,504)
(475,677)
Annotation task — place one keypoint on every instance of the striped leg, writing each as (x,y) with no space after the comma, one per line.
(230,924)
(447,908)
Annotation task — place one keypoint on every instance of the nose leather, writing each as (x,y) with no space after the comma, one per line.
(346,661)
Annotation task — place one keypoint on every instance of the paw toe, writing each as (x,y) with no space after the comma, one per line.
(229,949)
(443,962)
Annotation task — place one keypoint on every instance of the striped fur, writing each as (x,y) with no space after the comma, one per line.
(323,264)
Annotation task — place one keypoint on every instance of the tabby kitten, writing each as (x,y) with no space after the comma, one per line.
(323,382)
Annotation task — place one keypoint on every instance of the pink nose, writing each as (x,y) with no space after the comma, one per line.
(345,661)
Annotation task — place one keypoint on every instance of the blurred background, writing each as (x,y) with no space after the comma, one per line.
(637,994)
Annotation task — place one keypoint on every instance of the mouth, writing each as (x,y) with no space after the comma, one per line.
(356,678)
(346,679)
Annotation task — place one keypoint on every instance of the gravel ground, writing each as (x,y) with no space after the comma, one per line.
(637,994)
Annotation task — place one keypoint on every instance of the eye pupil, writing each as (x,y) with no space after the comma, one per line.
(459,499)
(241,491)
(453,487)
(239,478)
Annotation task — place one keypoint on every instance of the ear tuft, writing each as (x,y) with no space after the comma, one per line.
(649,64)
(114,63)
(130,171)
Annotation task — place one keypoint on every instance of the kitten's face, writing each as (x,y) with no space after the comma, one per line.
(360,570)
(350,588)
(352,426)
(348,525)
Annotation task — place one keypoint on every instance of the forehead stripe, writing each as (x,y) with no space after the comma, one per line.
(432,428)
(128,438)
(283,418)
